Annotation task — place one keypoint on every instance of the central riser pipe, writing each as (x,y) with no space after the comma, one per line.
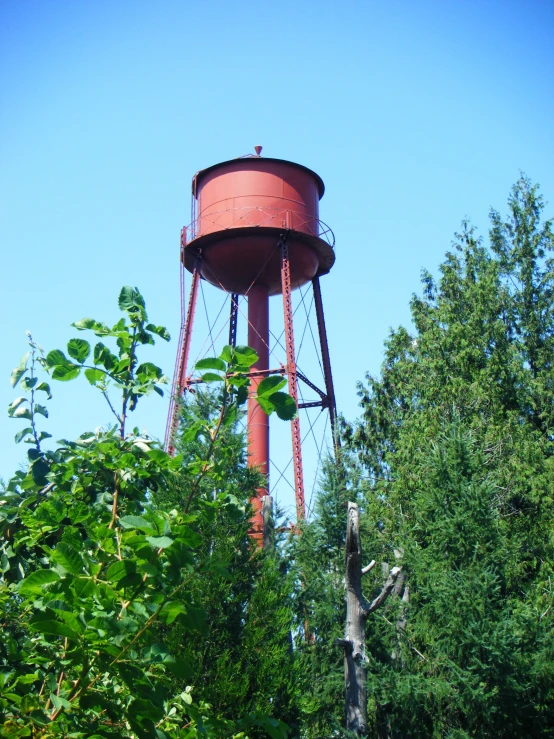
(258,421)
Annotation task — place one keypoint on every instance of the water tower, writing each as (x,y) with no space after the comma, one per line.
(255,232)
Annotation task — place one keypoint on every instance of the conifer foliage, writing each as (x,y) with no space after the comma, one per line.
(458,436)
(243,661)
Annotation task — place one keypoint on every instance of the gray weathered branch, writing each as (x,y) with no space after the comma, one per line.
(383,595)
(368,567)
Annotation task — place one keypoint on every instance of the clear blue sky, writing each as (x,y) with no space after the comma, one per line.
(415,114)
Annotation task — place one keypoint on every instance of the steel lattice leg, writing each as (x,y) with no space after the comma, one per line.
(293,384)
(233,319)
(183,358)
(329,387)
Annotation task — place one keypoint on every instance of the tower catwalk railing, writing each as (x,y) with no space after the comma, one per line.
(251,217)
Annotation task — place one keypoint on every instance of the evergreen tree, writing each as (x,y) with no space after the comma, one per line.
(243,658)
(457,440)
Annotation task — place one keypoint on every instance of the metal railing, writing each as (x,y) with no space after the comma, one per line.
(256,217)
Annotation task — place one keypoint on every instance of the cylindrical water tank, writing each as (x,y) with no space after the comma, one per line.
(244,207)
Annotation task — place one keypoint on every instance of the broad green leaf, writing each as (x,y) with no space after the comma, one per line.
(136,522)
(193,430)
(270,385)
(22,434)
(19,371)
(102,355)
(244,357)
(80,512)
(212,377)
(48,626)
(69,618)
(242,394)
(59,702)
(78,349)
(118,570)
(126,460)
(159,542)
(45,388)
(28,383)
(15,404)
(84,323)
(149,370)
(34,583)
(161,331)
(284,405)
(56,604)
(27,679)
(56,357)
(171,610)
(213,363)
(65,372)
(130,299)
(83,586)
(227,353)
(99,328)
(266,405)
(94,375)
(22,412)
(161,457)
(68,557)
(39,469)
(41,409)
(143,337)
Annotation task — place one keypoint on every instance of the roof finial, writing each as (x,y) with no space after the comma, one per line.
(258,150)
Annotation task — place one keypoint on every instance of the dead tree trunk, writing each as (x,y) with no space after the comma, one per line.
(268,524)
(357,611)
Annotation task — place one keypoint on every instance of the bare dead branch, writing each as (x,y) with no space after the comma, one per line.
(368,567)
(383,595)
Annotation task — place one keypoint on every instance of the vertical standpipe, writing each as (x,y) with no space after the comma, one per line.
(258,421)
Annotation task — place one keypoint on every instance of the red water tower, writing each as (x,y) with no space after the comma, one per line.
(255,232)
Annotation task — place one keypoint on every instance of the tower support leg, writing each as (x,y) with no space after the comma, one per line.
(233,319)
(328,377)
(182,360)
(191,310)
(293,382)
(258,421)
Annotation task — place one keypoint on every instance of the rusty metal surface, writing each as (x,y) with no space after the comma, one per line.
(253,163)
(258,421)
(293,383)
(236,259)
(242,206)
(179,380)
